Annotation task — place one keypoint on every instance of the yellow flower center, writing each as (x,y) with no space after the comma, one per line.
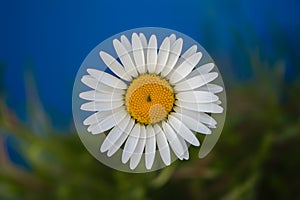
(149,99)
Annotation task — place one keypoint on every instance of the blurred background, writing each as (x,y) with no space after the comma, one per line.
(256,47)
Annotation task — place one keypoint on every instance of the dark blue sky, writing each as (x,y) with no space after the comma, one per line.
(53,38)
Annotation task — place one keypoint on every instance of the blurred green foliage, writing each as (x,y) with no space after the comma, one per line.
(257,156)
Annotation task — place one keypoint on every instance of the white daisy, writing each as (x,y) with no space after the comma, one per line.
(156,99)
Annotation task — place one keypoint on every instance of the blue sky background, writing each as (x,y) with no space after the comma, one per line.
(52,38)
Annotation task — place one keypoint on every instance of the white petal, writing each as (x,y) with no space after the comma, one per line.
(114,66)
(107,79)
(172,38)
(138,53)
(115,134)
(183,131)
(101,106)
(126,43)
(199,116)
(173,140)
(121,139)
(163,55)
(94,95)
(131,143)
(150,147)
(162,145)
(138,152)
(203,69)
(152,54)
(191,51)
(97,117)
(108,122)
(185,68)
(185,147)
(211,88)
(173,57)
(192,123)
(195,82)
(197,97)
(145,45)
(200,107)
(143,40)
(93,83)
(125,58)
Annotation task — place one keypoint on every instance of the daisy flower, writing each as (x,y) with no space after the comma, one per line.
(154,98)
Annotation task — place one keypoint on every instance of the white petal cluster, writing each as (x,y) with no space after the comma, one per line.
(195,98)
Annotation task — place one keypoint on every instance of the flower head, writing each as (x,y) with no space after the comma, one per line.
(154,97)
